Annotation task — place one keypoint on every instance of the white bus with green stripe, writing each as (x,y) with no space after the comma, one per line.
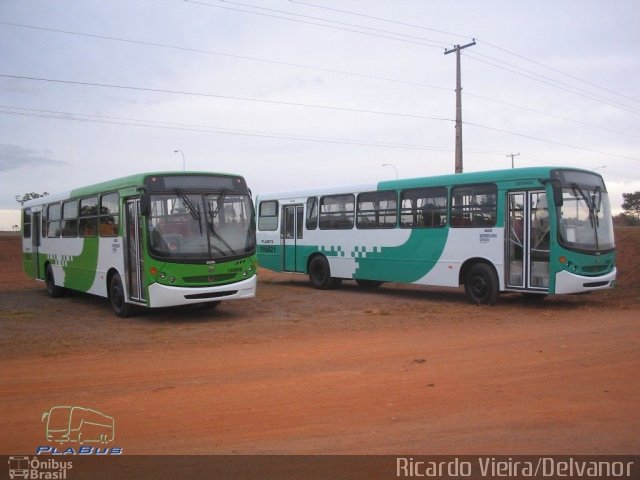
(537,231)
(149,240)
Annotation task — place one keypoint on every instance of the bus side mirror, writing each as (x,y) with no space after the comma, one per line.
(145,204)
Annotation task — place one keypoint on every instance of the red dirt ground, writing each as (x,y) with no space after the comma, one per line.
(402,370)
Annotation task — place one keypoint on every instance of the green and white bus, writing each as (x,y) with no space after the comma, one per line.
(532,230)
(150,240)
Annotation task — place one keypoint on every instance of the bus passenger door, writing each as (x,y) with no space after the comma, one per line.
(134,262)
(528,235)
(291,232)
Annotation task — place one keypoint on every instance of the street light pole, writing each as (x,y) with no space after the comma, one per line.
(183,162)
(392,166)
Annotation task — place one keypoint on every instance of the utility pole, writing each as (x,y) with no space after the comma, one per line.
(457,49)
(512,155)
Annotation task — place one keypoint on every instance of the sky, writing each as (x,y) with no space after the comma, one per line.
(296,94)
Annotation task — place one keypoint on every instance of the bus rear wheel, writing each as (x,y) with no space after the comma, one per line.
(320,274)
(53,290)
(117,298)
(481,284)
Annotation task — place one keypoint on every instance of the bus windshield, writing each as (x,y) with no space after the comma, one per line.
(584,216)
(200,226)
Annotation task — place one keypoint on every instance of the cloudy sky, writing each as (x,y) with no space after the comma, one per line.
(295,94)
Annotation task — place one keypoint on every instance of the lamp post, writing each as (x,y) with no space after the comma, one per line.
(392,166)
(183,162)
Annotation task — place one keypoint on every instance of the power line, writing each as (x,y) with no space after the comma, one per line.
(412,25)
(538,139)
(127,121)
(317,24)
(484,42)
(549,81)
(280,102)
(227,97)
(225,54)
(310,67)
(334,21)
(559,71)
(553,82)
(547,114)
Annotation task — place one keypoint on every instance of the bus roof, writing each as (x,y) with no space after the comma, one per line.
(136,180)
(437,180)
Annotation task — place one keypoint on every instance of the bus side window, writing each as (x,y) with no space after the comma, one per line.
(312,213)
(89,217)
(337,212)
(423,208)
(474,205)
(377,209)
(53,220)
(109,215)
(26,223)
(268,215)
(70,218)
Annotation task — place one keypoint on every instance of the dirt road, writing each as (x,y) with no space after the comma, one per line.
(400,370)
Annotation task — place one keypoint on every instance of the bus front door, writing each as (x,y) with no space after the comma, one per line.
(133,251)
(291,232)
(527,241)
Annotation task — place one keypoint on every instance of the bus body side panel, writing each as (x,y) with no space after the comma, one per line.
(28,257)
(269,249)
(407,262)
(110,254)
(463,244)
(82,263)
(349,251)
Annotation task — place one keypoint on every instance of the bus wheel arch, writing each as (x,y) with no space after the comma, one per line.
(53,290)
(320,273)
(117,296)
(480,280)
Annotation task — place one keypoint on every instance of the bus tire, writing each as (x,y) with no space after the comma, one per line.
(481,284)
(320,274)
(117,298)
(369,283)
(53,290)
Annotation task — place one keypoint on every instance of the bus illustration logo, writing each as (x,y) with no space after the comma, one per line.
(18,467)
(78,425)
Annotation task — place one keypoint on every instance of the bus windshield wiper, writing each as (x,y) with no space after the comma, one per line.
(195,213)
(213,213)
(591,205)
(194,210)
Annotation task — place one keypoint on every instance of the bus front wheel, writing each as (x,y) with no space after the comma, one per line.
(53,290)
(481,284)
(320,274)
(117,298)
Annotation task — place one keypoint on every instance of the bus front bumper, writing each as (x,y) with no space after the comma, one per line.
(567,282)
(168,296)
